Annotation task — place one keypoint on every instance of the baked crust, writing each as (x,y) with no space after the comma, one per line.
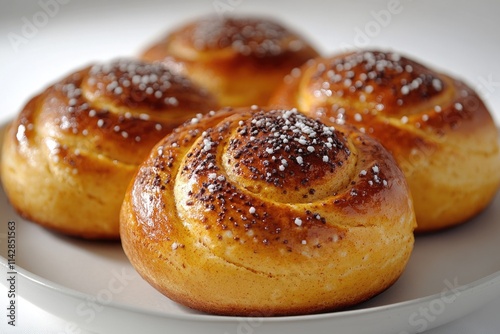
(268,212)
(438,129)
(71,152)
(240,60)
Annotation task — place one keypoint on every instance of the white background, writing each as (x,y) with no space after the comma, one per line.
(41,41)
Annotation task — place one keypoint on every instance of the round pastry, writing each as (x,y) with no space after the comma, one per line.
(438,129)
(69,156)
(239,60)
(260,213)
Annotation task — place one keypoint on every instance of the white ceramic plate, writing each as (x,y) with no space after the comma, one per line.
(93,286)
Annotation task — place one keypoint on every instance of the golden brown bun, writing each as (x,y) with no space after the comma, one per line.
(70,154)
(239,60)
(246,212)
(437,128)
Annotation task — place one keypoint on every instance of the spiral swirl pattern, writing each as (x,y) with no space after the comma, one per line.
(81,140)
(241,60)
(248,203)
(438,129)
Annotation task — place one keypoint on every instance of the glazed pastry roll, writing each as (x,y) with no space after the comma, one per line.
(268,212)
(438,129)
(71,152)
(240,60)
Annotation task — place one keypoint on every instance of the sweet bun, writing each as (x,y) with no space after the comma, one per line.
(71,152)
(438,129)
(240,60)
(268,212)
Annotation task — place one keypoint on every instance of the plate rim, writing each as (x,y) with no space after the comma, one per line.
(484,282)
(492,279)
